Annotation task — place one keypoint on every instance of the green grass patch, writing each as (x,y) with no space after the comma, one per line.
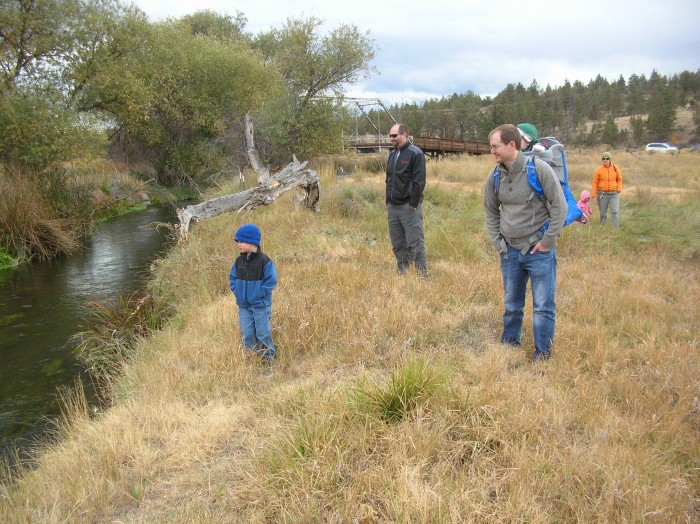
(114,212)
(649,220)
(6,260)
(411,386)
(354,201)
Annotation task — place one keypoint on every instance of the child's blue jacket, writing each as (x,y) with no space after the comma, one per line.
(252,278)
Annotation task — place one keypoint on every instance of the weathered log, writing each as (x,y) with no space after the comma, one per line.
(256,163)
(295,175)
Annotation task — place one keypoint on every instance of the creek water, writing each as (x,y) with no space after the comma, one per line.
(42,305)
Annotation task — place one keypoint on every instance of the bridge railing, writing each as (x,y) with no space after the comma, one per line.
(429,145)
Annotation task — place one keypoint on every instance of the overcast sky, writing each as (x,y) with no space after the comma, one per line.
(430,48)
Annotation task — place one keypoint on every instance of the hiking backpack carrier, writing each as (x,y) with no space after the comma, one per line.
(555,157)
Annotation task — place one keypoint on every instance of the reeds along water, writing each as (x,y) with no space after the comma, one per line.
(391,399)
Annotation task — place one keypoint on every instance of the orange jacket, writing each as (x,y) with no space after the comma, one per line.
(607,179)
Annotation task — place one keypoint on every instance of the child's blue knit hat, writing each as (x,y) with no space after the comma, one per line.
(249,233)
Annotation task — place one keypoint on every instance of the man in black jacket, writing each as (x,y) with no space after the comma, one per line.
(405,182)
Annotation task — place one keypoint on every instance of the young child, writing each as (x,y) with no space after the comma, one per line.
(584,205)
(252,278)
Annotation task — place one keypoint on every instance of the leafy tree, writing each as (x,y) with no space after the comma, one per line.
(103,74)
(38,131)
(191,90)
(313,66)
(49,51)
(223,28)
(35,37)
(318,130)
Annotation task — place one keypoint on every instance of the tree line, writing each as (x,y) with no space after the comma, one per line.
(83,78)
(79,78)
(566,111)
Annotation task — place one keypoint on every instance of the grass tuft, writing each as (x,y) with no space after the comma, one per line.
(113,330)
(409,387)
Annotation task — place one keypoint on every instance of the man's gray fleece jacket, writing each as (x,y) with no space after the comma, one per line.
(516,214)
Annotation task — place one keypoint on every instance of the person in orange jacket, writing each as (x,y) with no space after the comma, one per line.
(607,185)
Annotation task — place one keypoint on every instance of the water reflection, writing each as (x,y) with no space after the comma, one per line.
(41,307)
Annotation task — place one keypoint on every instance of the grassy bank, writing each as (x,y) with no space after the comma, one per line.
(392,400)
(47,214)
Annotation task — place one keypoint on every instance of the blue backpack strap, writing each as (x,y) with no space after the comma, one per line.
(496,173)
(536,187)
(533,179)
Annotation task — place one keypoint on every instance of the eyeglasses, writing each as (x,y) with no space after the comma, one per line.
(393,135)
(605,158)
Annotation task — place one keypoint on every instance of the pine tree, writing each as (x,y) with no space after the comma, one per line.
(610,132)
(662,108)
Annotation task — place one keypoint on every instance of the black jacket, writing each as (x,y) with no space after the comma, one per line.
(405,175)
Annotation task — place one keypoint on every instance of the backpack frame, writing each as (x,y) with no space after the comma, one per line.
(555,157)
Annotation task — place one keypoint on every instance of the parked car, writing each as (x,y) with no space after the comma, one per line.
(661,147)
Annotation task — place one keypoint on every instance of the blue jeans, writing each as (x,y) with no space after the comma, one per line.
(541,270)
(256,331)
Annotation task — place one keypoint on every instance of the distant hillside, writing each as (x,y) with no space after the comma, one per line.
(683,129)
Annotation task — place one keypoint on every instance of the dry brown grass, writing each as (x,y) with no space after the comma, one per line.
(29,228)
(47,214)
(392,400)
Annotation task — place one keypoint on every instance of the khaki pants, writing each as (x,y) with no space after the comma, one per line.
(609,200)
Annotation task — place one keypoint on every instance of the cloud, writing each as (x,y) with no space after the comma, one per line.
(455,46)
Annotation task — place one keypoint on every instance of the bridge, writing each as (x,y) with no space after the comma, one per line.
(432,147)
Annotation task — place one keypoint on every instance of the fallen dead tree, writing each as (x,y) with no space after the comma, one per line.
(294,176)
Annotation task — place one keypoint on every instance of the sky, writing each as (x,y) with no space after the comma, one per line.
(434,48)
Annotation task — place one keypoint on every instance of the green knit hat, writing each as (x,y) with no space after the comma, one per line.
(607,155)
(528,132)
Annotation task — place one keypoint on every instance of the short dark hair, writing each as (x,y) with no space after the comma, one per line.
(509,133)
(402,129)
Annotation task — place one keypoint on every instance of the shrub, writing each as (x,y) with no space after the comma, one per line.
(113,329)
(6,260)
(39,132)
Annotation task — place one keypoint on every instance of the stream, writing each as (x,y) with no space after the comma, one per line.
(42,305)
